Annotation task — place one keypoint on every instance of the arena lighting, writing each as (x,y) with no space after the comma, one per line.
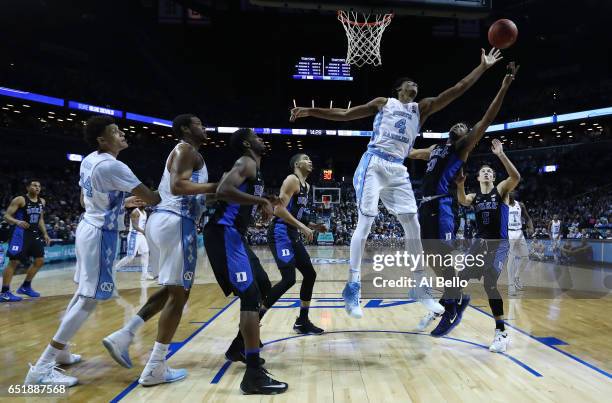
(74,157)
(592,113)
(549,168)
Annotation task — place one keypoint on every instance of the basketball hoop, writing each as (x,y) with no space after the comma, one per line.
(326,201)
(363,33)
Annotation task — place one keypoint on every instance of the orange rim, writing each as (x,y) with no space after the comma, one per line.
(385,19)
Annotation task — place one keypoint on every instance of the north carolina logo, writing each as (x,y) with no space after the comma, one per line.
(107,287)
(188,276)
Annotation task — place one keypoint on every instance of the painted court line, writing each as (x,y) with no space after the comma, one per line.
(542,341)
(532,371)
(179,345)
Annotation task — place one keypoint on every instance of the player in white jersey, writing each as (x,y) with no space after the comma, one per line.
(518,257)
(554,229)
(381,173)
(104,183)
(172,237)
(137,244)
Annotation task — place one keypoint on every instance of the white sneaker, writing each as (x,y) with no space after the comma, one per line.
(65,357)
(426,320)
(500,342)
(48,374)
(424,296)
(159,372)
(118,346)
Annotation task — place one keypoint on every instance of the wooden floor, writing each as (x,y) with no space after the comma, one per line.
(560,351)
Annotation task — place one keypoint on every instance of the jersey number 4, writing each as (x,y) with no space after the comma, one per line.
(87,186)
(401,126)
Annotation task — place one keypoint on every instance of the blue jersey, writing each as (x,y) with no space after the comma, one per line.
(491,215)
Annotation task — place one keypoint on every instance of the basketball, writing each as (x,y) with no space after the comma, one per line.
(502,34)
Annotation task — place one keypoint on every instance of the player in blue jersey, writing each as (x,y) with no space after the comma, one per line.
(491,206)
(104,182)
(26,215)
(437,209)
(381,174)
(236,268)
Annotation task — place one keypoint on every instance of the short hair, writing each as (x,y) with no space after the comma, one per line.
(29,182)
(238,138)
(295,159)
(397,83)
(95,128)
(180,121)
(486,164)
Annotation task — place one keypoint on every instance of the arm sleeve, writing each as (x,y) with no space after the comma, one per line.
(114,175)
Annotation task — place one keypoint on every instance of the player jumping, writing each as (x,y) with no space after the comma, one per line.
(381,173)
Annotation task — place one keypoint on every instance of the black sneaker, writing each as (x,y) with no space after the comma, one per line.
(235,352)
(257,381)
(306,327)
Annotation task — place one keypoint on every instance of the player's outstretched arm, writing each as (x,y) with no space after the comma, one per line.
(462,198)
(181,169)
(291,186)
(428,106)
(340,114)
(514,177)
(468,142)
(421,153)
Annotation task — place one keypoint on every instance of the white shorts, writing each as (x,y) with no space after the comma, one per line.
(96,250)
(518,243)
(173,248)
(378,179)
(136,244)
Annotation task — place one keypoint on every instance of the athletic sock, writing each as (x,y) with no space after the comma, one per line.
(27,284)
(159,353)
(354,275)
(48,356)
(252,358)
(303,314)
(134,324)
(5,288)
(499,324)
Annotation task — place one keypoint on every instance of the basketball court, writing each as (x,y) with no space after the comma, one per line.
(559,349)
(559,326)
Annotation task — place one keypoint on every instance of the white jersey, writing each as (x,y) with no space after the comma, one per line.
(104,182)
(188,206)
(514,217)
(396,126)
(142,221)
(556,228)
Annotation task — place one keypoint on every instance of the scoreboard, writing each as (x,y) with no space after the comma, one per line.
(315,68)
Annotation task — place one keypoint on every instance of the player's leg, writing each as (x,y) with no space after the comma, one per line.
(303,325)
(37,251)
(246,276)
(523,260)
(283,252)
(398,197)
(95,283)
(6,295)
(367,184)
(499,249)
(130,253)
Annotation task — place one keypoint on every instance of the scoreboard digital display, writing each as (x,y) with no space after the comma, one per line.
(329,69)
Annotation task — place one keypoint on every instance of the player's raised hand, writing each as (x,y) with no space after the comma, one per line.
(460,177)
(497,147)
(297,113)
(511,70)
(489,59)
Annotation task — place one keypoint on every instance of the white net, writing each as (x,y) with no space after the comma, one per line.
(364,33)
